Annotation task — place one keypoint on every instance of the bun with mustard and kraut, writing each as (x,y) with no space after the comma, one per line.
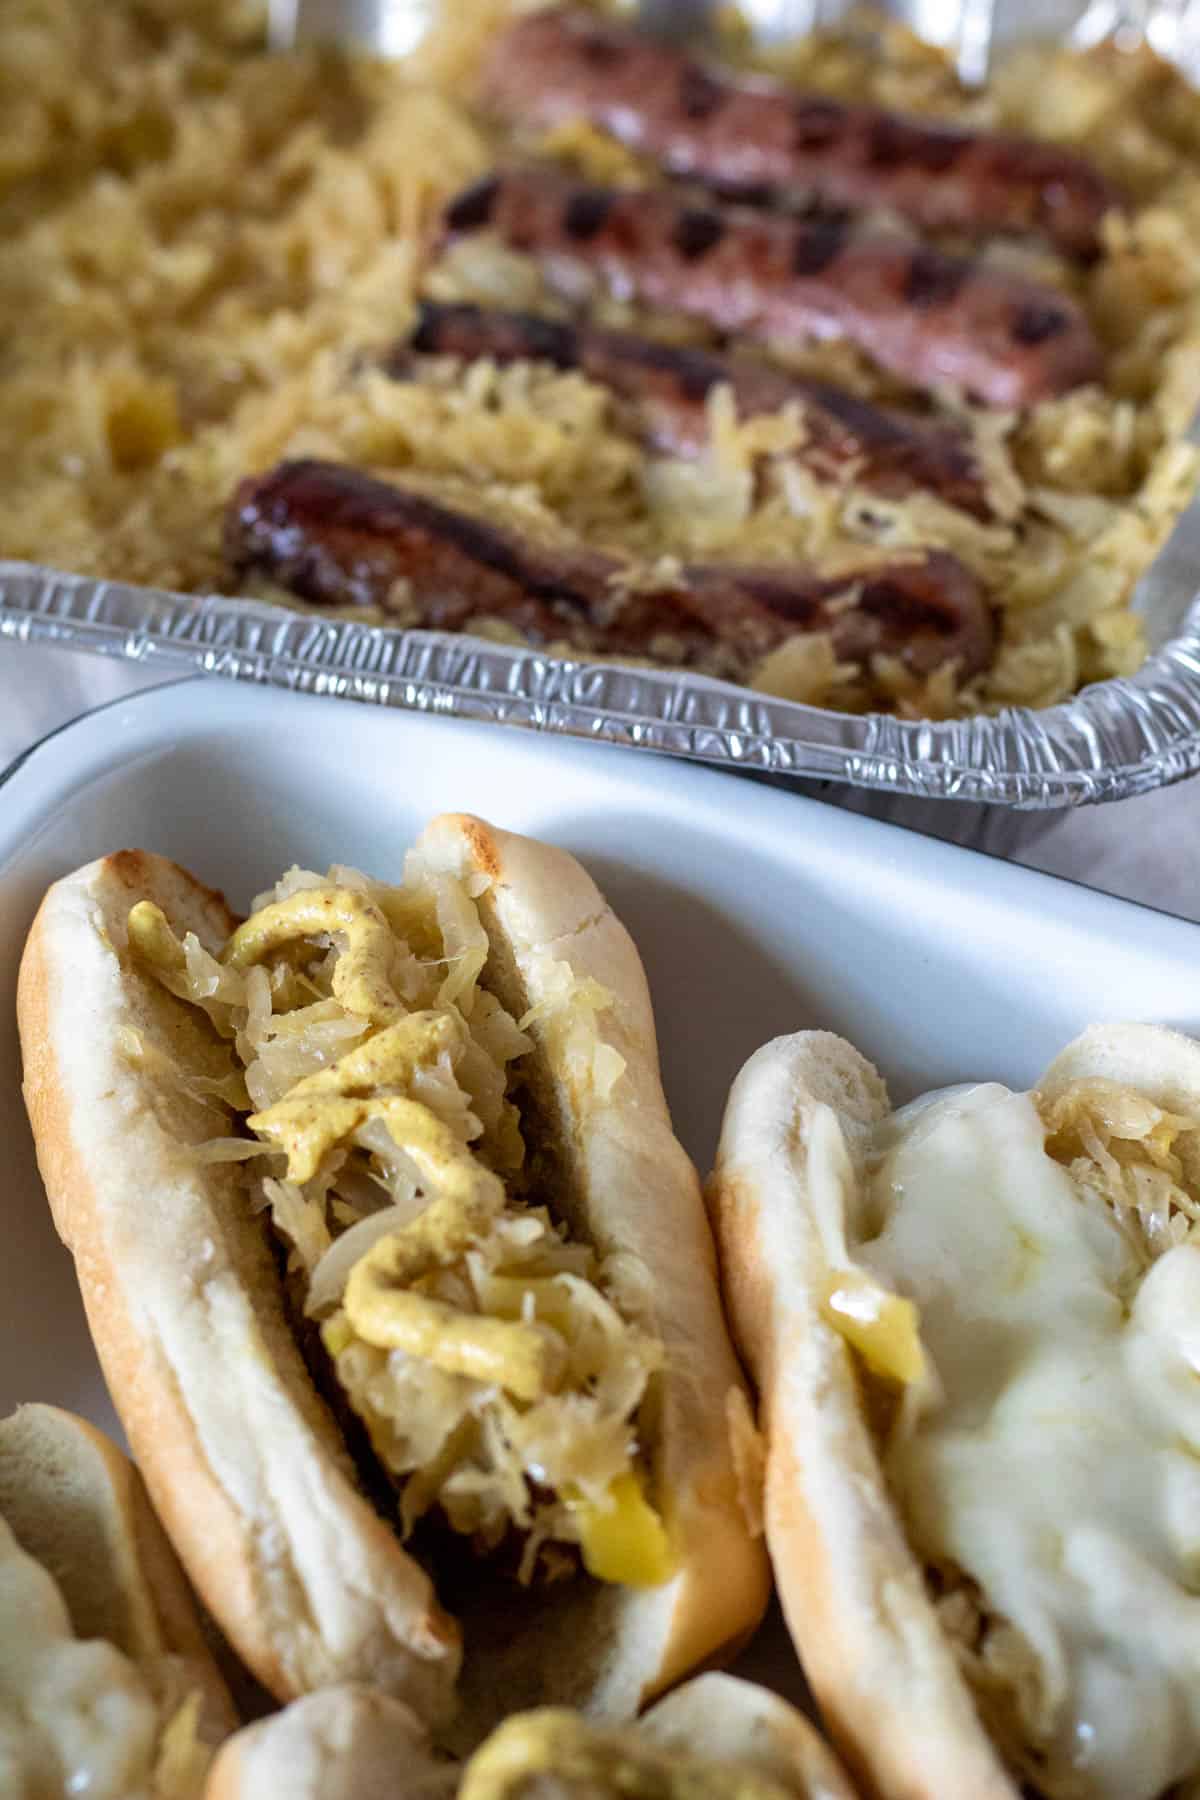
(401,1283)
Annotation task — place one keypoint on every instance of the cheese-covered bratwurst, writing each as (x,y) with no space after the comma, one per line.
(973,1323)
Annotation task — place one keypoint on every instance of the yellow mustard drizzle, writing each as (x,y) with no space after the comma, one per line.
(523,1358)
(622,1538)
(152,938)
(361,975)
(307,1129)
(390,1057)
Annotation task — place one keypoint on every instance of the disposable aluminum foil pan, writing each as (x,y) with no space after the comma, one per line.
(1112,741)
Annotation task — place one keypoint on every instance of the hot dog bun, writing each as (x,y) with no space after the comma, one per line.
(861,1613)
(244,1462)
(851,1589)
(351,1744)
(94,1588)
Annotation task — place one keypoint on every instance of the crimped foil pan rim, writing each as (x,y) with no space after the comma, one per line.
(1114,740)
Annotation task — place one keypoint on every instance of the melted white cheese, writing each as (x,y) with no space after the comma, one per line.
(1056,1459)
(75,1718)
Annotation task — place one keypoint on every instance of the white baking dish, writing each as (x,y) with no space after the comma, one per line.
(756,912)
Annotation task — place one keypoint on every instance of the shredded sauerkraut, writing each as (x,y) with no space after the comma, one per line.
(1136,1159)
(568,1012)
(491,1359)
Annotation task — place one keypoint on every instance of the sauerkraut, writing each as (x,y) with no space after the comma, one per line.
(203,248)
(492,1360)
(1130,1156)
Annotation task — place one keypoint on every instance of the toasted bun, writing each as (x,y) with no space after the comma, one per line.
(78,1507)
(853,1593)
(736,1721)
(345,1743)
(627,1186)
(244,1463)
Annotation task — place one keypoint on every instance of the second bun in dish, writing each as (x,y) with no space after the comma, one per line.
(107,1686)
(972,1324)
(490,1276)
(715,1738)
(347,1742)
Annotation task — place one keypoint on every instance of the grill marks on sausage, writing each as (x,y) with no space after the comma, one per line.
(335,535)
(891,141)
(663,390)
(1037,324)
(586,213)
(743,132)
(928,317)
(934,280)
(818,242)
(701,95)
(602,52)
(697,230)
(816,125)
(472,210)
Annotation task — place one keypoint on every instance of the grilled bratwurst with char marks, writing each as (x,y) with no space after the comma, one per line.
(928,317)
(743,133)
(337,536)
(664,388)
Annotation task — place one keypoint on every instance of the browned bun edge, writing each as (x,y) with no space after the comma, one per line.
(243,1462)
(626,1185)
(79,1507)
(853,1593)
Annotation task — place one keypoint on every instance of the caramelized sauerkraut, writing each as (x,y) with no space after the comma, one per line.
(376,1105)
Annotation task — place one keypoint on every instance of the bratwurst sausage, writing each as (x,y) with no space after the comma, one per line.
(334,535)
(928,317)
(664,389)
(745,134)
